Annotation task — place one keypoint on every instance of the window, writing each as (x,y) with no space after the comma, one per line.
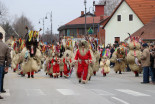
(118,17)
(130,17)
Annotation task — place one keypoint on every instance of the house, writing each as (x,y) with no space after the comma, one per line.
(76,27)
(128,17)
(147,32)
(3,32)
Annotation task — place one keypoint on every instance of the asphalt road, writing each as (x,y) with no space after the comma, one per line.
(112,89)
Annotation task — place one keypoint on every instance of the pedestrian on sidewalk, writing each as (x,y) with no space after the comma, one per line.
(5,57)
(152,60)
(145,62)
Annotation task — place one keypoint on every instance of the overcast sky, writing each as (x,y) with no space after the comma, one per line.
(63,10)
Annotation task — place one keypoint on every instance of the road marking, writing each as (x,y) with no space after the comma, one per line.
(34,92)
(67,92)
(101,92)
(122,101)
(130,92)
(7,93)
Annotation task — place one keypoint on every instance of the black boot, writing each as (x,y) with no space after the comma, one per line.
(136,75)
(116,72)
(120,72)
(104,74)
(32,76)
(51,76)
(22,75)
(28,76)
(89,78)
(79,80)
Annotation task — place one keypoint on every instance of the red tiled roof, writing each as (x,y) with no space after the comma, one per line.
(148,29)
(81,20)
(144,9)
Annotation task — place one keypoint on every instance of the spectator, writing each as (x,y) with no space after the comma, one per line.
(4,56)
(112,50)
(145,62)
(152,60)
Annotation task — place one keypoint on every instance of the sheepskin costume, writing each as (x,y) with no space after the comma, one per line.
(133,57)
(84,58)
(67,63)
(119,58)
(105,65)
(15,55)
(31,55)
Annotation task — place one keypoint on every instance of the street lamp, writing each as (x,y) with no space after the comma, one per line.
(85,2)
(43,23)
(50,19)
(93,15)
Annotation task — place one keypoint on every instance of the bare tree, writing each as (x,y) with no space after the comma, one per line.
(110,5)
(3,12)
(8,29)
(20,24)
(49,38)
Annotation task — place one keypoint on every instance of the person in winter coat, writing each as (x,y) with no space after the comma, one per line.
(145,63)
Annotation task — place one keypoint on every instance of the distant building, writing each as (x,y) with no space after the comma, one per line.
(128,17)
(3,32)
(148,31)
(76,27)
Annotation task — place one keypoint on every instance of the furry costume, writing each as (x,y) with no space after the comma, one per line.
(31,55)
(119,58)
(133,57)
(67,60)
(56,68)
(84,58)
(96,65)
(105,65)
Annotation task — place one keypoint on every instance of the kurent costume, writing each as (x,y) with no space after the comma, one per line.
(56,68)
(67,58)
(119,58)
(84,58)
(105,62)
(134,55)
(31,55)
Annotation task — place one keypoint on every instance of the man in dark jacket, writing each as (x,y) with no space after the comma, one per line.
(5,59)
(145,62)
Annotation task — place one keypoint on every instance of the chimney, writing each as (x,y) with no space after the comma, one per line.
(82,13)
(101,17)
(99,9)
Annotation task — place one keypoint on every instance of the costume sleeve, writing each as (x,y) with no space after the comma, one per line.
(52,61)
(64,60)
(77,55)
(89,55)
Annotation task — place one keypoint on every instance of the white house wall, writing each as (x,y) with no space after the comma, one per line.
(121,28)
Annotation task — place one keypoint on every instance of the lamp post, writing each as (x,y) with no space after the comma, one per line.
(85,2)
(43,23)
(93,16)
(50,20)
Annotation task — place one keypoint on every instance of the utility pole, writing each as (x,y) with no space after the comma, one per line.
(50,20)
(93,17)
(85,2)
(51,23)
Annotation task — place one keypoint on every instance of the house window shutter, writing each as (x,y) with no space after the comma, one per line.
(130,17)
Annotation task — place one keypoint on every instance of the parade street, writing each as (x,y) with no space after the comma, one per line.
(112,89)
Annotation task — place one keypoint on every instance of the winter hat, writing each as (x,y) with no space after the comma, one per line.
(145,45)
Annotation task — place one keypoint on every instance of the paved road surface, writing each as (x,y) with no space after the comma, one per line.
(113,89)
